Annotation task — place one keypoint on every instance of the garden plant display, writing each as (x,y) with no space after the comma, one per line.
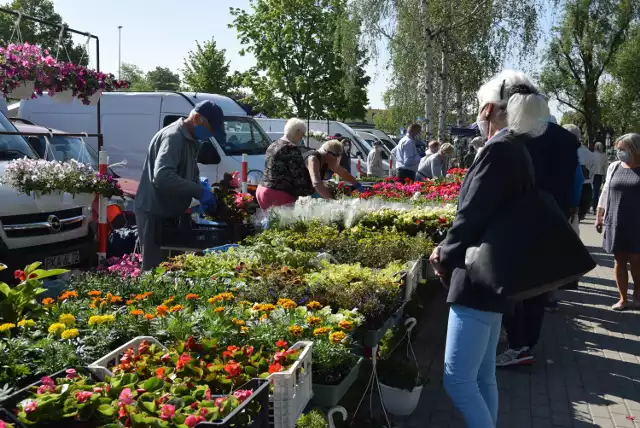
(44,177)
(20,63)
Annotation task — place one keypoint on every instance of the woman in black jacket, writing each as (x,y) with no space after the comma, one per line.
(510,107)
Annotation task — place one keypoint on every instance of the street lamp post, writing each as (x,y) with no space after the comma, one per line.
(119,50)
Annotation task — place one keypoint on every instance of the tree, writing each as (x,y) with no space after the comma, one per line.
(207,70)
(297,48)
(258,94)
(44,36)
(134,74)
(584,46)
(163,79)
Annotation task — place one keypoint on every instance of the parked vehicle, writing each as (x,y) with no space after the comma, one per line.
(58,237)
(370,138)
(384,137)
(131,119)
(360,150)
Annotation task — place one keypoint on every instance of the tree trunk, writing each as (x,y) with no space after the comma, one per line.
(427,73)
(442,113)
(592,116)
(459,112)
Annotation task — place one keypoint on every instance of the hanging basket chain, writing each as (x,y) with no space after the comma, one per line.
(16,29)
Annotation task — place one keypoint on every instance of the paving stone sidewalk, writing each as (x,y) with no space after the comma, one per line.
(587,372)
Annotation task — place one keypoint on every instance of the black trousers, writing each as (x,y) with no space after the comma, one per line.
(585,200)
(525,323)
(406,173)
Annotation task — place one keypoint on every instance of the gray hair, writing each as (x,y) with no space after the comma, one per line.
(574,130)
(599,146)
(631,143)
(477,142)
(293,126)
(527,111)
(446,147)
(333,146)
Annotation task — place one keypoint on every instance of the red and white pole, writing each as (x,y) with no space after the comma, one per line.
(245,172)
(103,225)
(358,170)
(390,167)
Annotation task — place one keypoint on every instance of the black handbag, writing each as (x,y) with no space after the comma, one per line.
(529,249)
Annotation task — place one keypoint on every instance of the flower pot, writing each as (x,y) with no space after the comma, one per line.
(373,337)
(49,202)
(400,402)
(93,99)
(330,395)
(83,199)
(24,91)
(64,97)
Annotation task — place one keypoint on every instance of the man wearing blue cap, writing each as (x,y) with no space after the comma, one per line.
(171,178)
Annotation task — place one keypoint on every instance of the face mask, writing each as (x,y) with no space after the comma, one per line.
(483,124)
(201,133)
(624,156)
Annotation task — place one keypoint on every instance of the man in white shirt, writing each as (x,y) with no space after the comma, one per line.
(375,167)
(406,154)
(588,164)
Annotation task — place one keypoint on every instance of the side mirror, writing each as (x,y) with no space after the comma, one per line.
(208,154)
(38,145)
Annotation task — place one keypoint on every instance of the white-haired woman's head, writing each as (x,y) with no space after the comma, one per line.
(599,147)
(510,100)
(574,130)
(294,130)
(628,149)
(331,152)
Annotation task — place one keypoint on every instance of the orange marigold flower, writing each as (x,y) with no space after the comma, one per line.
(346,325)
(296,330)
(92,306)
(226,296)
(219,309)
(67,295)
(169,300)
(137,312)
(215,299)
(115,299)
(244,329)
(103,303)
(140,297)
(149,317)
(176,308)
(267,307)
(162,310)
(313,305)
(48,301)
(238,322)
(314,320)
(245,302)
(320,331)
(264,317)
(147,293)
(287,303)
(337,336)
(192,296)
(257,307)
(130,302)
(94,293)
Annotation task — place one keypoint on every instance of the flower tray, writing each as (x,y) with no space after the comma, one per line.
(238,418)
(330,395)
(8,405)
(101,367)
(292,389)
(182,233)
(373,337)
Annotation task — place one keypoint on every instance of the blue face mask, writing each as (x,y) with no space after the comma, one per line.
(624,156)
(201,133)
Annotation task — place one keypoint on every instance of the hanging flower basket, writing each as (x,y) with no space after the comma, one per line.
(93,99)
(48,202)
(400,402)
(23,91)
(64,97)
(83,199)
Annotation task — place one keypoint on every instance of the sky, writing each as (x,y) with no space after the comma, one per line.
(162,32)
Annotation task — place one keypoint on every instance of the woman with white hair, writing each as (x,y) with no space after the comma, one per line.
(285,173)
(327,158)
(510,112)
(618,212)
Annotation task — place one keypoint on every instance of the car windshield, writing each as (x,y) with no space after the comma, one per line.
(12,146)
(244,135)
(359,140)
(63,148)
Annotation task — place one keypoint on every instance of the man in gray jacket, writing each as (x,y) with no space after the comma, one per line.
(171,178)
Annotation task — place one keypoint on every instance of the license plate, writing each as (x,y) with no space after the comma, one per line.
(62,260)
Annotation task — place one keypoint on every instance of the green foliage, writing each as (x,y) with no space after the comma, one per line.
(331,362)
(207,70)
(396,365)
(44,36)
(299,49)
(313,419)
(163,79)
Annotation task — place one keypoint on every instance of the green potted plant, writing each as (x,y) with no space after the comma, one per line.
(335,369)
(400,380)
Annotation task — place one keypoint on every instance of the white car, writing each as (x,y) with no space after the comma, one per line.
(131,119)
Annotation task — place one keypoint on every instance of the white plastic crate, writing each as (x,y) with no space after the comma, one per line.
(414,274)
(99,367)
(292,390)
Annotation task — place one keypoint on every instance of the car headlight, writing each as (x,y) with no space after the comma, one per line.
(254,177)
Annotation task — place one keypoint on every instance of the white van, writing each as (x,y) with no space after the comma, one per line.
(131,119)
(388,142)
(57,237)
(361,148)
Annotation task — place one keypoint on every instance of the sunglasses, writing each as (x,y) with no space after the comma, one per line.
(335,155)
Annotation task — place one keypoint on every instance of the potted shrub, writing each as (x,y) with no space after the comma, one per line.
(335,368)
(400,380)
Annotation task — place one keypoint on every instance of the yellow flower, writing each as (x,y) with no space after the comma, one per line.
(57,327)
(214,299)
(320,331)
(296,330)
(94,293)
(70,334)
(219,309)
(106,319)
(337,337)
(244,329)
(92,306)
(346,325)
(226,296)
(314,320)
(264,317)
(257,307)
(176,308)
(6,327)
(101,319)
(245,302)
(67,319)
(169,300)
(26,323)
(267,307)
(313,305)
(287,303)
(238,322)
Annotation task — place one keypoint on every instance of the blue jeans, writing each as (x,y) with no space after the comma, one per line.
(470,364)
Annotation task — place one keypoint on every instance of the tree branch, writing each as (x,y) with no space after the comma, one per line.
(462,21)
(567,103)
(614,44)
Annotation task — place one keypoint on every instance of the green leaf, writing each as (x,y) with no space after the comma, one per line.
(153,384)
(32,267)
(251,371)
(150,406)
(5,289)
